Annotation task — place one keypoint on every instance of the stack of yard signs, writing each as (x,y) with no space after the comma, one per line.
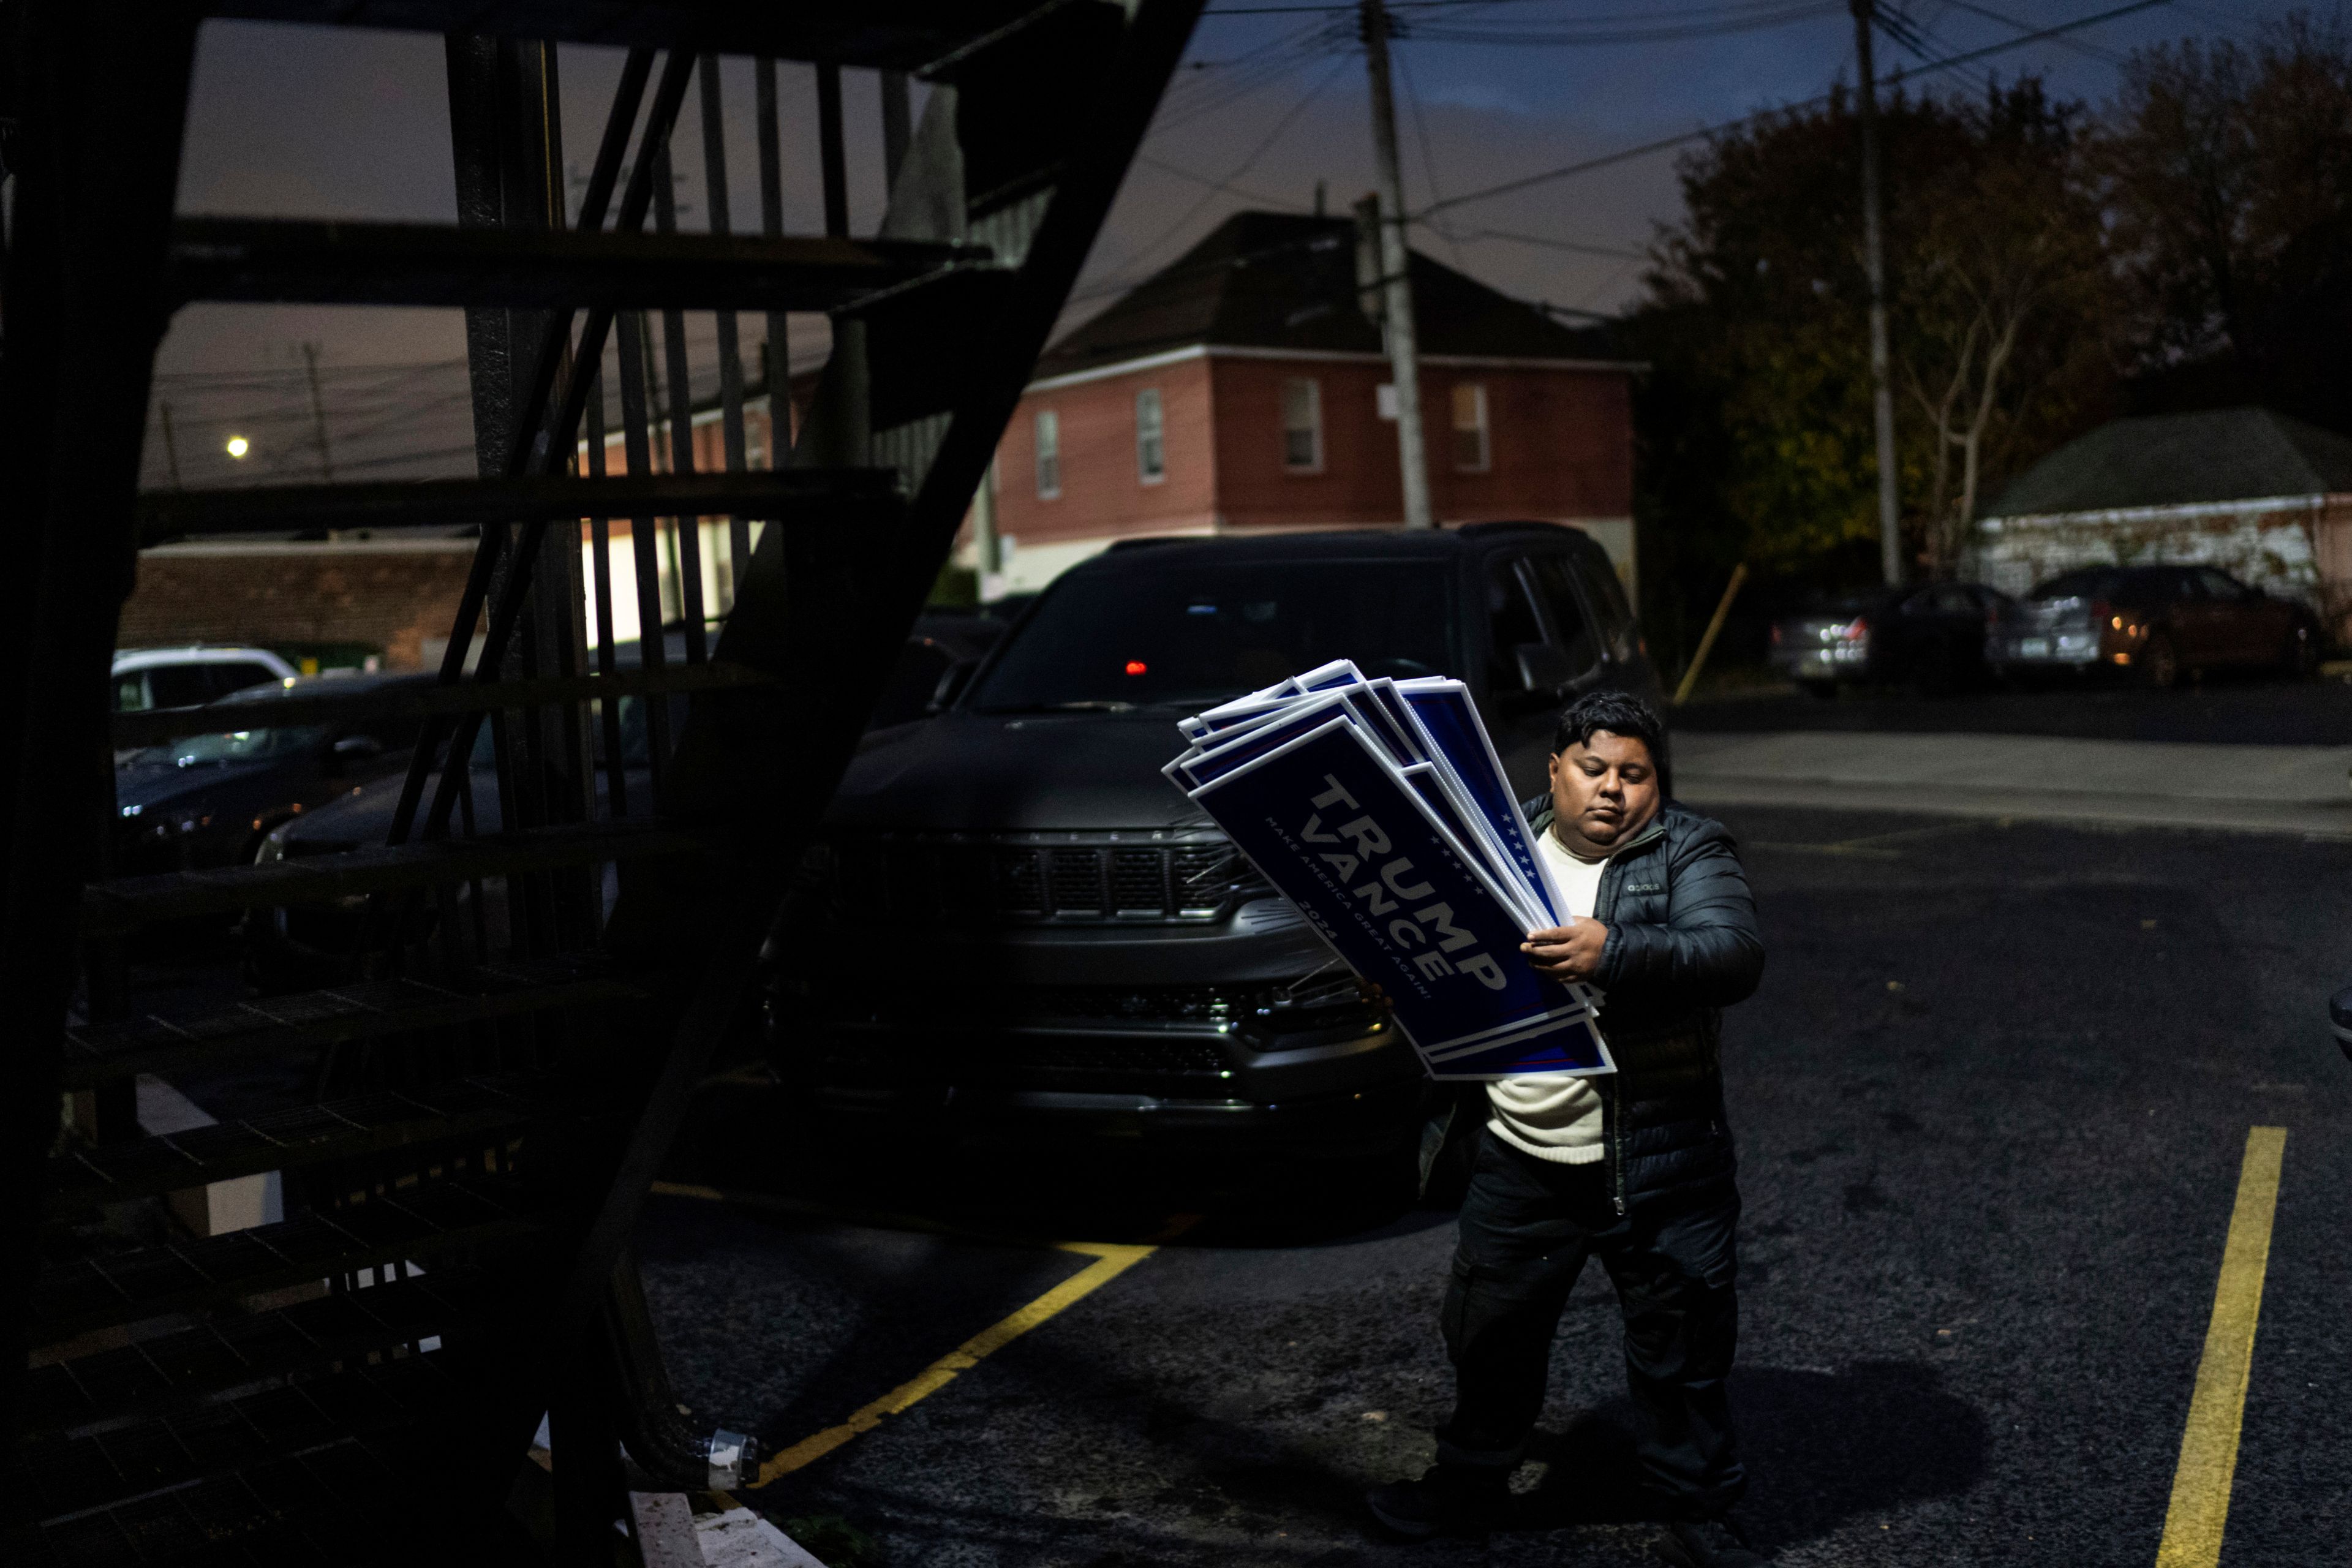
(1379,808)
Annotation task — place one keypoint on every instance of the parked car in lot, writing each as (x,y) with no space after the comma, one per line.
(148,677)
(2159,623)
(212,799)
(313,945)
(310,946)
(1931,636)
(1012,915)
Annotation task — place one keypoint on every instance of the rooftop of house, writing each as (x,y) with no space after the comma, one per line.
(2182,459)
(1278,280)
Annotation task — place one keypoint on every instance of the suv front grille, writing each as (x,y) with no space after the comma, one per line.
(1057,878)
(1139,881)
(1077,881)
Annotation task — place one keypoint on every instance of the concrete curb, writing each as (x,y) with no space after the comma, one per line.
(2299,790)
(2330,820)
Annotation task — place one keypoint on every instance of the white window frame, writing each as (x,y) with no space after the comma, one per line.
(1150,437)
(1483,428)
(1047,429)
(1314,426)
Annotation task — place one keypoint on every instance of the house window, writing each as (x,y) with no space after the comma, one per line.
(1049,454)
(1471,452)
(1150,437)
(1302,426)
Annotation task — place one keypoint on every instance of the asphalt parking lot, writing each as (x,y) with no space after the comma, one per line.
(1992,1102)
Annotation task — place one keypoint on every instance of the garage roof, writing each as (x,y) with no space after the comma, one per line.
(2182,459)
(1281,280)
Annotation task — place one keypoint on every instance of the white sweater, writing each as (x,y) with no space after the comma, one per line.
(1552,1116)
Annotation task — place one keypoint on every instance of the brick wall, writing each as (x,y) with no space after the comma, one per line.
(1560,446)
(389,596)
(1103,491)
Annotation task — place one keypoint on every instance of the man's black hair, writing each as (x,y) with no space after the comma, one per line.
(1619,713)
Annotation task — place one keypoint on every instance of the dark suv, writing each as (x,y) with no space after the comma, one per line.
(1013,913)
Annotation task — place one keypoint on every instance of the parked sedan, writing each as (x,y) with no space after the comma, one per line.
(2158,622)
(1932,637)
(312,945)
(210,799)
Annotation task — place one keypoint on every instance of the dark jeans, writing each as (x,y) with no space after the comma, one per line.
(1528,1226)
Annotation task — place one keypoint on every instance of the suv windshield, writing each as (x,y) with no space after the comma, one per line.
(1198,635)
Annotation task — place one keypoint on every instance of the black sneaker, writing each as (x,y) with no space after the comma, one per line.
(1707,1544)
(1448,1500)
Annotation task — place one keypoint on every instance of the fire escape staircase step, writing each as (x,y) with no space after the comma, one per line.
(878,35)
(850,496)
(145,1282)
(340,1503)
(72,1477)
(333,263)
(98,1054)
(122,904)
(201,1364)
(154,726)
(374,1123)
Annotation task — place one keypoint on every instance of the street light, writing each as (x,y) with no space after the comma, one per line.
(238,447)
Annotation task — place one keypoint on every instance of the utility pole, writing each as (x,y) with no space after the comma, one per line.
(1881,395)
(318,412)
(1397,298)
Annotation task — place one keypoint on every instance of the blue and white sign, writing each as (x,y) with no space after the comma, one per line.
(1400,842)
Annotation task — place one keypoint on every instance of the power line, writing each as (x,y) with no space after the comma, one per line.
(2079,46)
(1592,34)
(1729,9)
(1702,133)
(1252,69)
(1923,43)
(1475,236)
(1229,188)
(1240,169)
(1420,133)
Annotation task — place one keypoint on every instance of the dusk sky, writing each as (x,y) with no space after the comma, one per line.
(302,121)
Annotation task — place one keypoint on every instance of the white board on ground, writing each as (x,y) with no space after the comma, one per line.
(741,1539)
(664,1525)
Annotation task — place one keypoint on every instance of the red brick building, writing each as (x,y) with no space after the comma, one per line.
(1245,387)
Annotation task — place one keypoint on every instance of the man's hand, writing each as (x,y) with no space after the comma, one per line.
(1568,953)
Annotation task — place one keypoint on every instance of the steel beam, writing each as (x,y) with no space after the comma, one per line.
(830,612)
(99,108)
(350,709)
(323,262)
(895,34)
(831,496)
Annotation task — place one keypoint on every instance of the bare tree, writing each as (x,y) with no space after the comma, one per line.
(2003,258)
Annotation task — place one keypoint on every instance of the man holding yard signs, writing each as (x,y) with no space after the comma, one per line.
(1636,1167)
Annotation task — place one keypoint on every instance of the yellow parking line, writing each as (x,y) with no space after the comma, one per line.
(2208,1444)
(1110,1262)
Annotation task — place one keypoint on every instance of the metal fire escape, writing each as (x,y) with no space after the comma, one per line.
(360,1381)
